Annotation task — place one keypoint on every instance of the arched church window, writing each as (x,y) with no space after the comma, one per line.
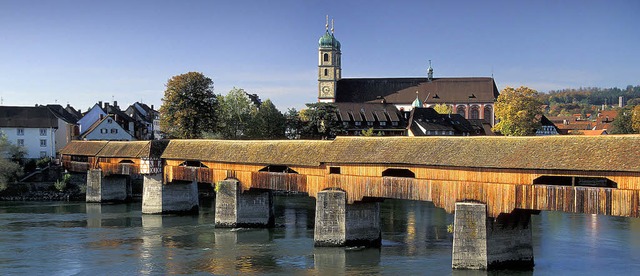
(488,113)
(326,72)
(326,57)
(461,110)
(474,112)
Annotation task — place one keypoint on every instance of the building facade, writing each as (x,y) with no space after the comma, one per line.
(33,128)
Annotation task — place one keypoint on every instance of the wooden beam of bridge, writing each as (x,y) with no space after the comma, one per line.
(498,171)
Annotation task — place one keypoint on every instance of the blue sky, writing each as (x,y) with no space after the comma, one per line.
(81,52)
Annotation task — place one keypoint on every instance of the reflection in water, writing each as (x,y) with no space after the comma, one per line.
(341,261)
(118,239)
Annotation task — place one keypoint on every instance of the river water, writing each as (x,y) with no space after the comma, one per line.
(77,238)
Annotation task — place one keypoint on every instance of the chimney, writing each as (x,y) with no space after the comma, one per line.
(100,104)
(621,101)
(115,104)
(152,108)
(101,116)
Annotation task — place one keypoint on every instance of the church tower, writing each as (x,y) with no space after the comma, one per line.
(328,65)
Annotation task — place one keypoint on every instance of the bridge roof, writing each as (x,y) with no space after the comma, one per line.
(582,153)
(83,148)
(281,152)
(126,149)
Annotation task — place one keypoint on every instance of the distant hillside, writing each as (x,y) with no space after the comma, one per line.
(592,96)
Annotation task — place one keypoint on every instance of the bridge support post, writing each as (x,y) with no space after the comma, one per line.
(481,242)
(174,197)
(105,188)
(341,224)
(253,208)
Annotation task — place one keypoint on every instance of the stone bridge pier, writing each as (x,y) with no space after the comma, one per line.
(173,197)
(485,243)
(341,224)
(234,208)
(109,188)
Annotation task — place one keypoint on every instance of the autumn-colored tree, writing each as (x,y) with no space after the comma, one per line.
(443,108)
(635,119)
(188,107)
(518,111)
(367,133)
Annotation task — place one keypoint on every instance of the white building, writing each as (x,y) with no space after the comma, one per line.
(33,128)
(106,128)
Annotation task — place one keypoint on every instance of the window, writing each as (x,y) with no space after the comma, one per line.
(370,123)
(474,112)
(394,123)
(383,123)
(398,173)
(461,109)
(326,57)
(109,121)
(43,154)
(277,168)
(43,132)
(20,131)
(104,130)
(334,170)
(488,115)
(575,181)
(114,130)
(326,72)
(21,142)
(358,123)
(43,142)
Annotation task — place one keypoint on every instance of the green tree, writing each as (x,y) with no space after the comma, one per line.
(9,170)
(236,112)
(442,108)
(518,111)
(320,121)
(293,124)
(623,122)
(267,123)
(189,106)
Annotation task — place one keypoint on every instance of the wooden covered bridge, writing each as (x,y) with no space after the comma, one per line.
(498,179)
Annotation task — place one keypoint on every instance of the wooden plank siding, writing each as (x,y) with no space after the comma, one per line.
(120,169)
